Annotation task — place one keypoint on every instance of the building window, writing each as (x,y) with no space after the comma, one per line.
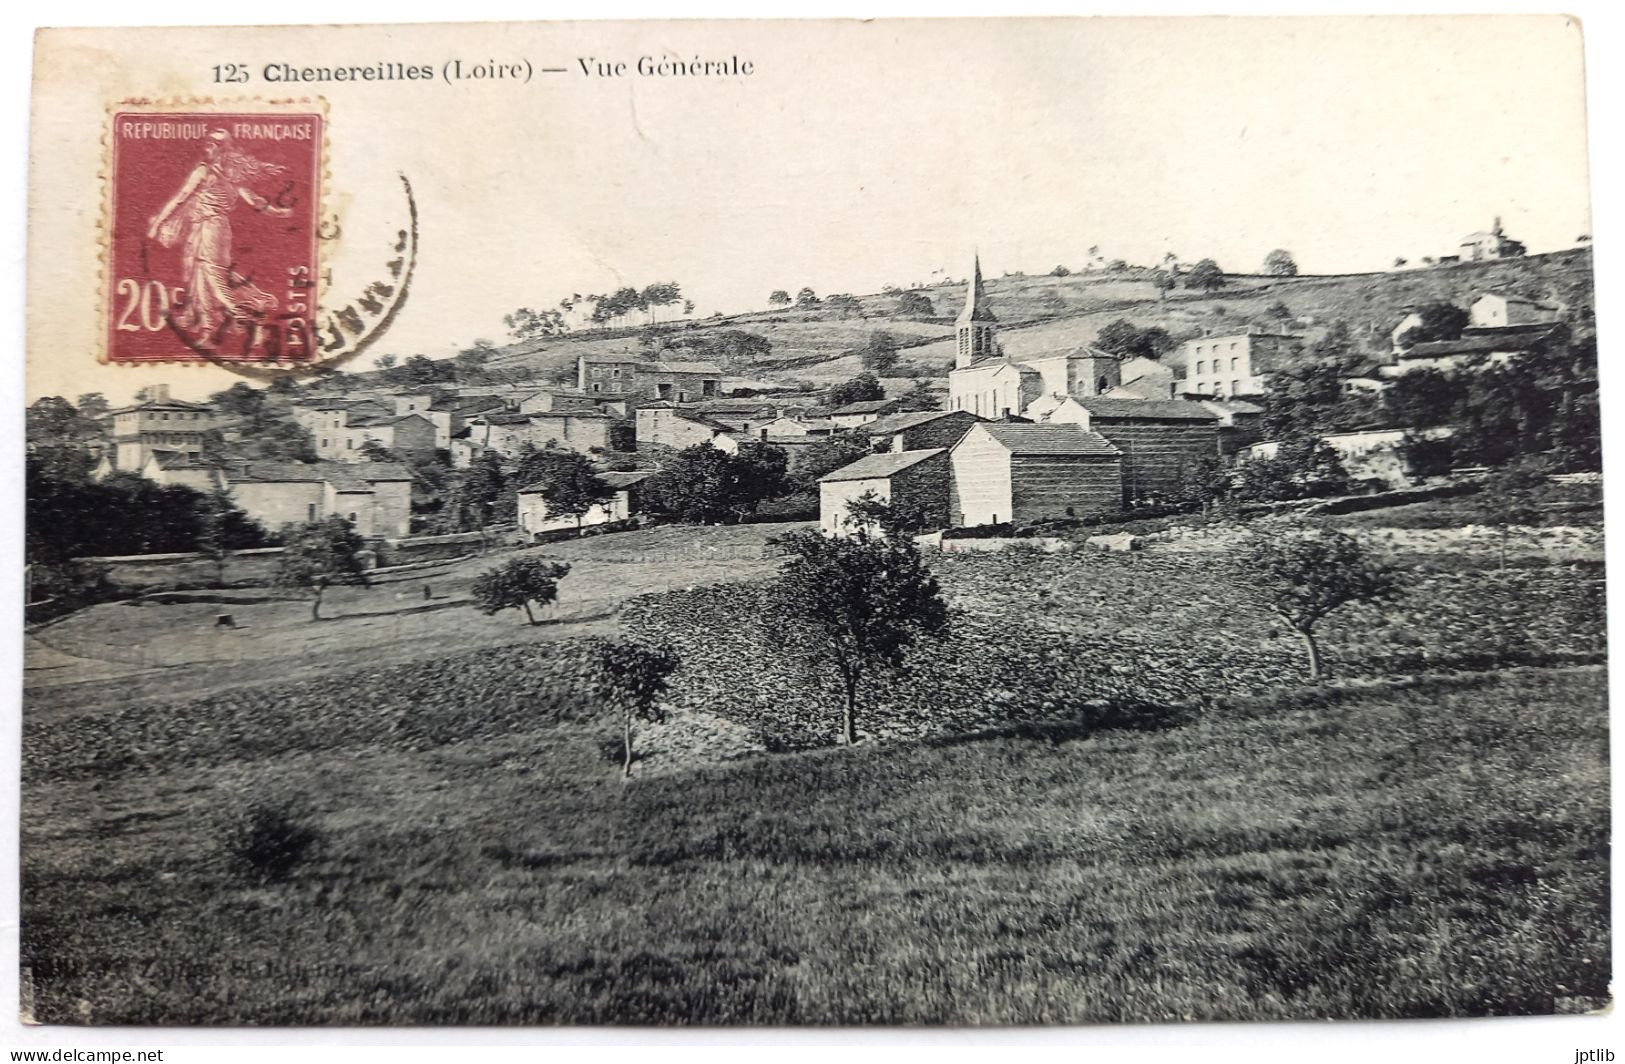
(1235,387)
(1232,345)
(1201,367)
(1233,363)
(310,512)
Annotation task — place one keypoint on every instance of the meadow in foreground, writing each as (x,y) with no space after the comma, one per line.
(1405,848)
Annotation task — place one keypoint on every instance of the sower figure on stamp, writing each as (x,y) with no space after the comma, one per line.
(215,295)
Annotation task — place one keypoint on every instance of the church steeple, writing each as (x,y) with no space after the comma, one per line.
(975,324)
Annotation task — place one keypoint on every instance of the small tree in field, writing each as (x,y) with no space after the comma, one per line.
(631,677)
(1304,574)
(864,601)
(517,583)
(1205,275)
(317,555)
(1279,263)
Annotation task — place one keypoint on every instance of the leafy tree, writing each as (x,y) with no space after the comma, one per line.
(1304,467)
(879,352)
(567,479)
(1121,337)
(1155,341)
(223,528)
(1205,275)
(1423,398)
(1304,574)
(373,451)
(863,388)
(660,294)
(1400,262)
(760,471)
(318,554)
(1205,482)
(915,305)
(779,298)
(517,583)
(387,361)
(844,302)
(831,453)
(527,324)
(482,488)
(703,484)
(884,517)
(1060,271)
(1507,501)
(1440,321)
(1427,456)
(1163,280)
(919,398)
(806,298)
(863,601)
(54,419)
(1279,263)
(631,677)
(1279,311)
(92,405)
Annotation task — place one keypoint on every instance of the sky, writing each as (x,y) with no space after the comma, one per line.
(865,154)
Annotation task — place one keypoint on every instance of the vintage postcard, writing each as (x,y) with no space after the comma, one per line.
(946,522)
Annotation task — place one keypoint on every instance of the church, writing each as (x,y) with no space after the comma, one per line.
(985,382)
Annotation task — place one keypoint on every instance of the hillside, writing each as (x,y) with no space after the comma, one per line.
(1043,313)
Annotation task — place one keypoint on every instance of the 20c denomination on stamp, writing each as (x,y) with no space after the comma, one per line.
(212,240)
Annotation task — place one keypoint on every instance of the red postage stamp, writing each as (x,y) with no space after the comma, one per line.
(212,242)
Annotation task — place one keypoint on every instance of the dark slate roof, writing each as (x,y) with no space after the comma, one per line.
(898,422)
(1023,438)
(626,479)
(504,419)
(1148,409)
(346,476)
(700,419)
(686,367)
(619,360)
(1477,344)
(870,406)
(575,412)
(875,466)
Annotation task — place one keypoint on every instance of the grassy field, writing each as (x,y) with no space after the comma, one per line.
(1408,842)
(1431,849)
(168,648)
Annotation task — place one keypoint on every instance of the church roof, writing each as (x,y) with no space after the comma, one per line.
(977,307)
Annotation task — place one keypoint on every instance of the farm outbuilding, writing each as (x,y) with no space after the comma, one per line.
(1018,472)
(919,431)
(913,481)
(1162,440)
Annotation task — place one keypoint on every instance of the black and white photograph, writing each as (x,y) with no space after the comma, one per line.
(975,522)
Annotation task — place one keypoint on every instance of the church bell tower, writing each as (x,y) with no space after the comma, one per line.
(975,324)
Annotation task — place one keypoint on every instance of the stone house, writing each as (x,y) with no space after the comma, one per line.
(1023,472)
(376,497)
(533,514)
(1496,310)
(579,430)
(626,375)
(916,481)
(156,423)
(665,425)
(405,434)
(852,415)
(1235,364)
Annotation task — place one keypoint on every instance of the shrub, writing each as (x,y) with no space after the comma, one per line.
(267,840)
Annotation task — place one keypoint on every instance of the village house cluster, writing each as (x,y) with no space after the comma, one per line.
(1067,433)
